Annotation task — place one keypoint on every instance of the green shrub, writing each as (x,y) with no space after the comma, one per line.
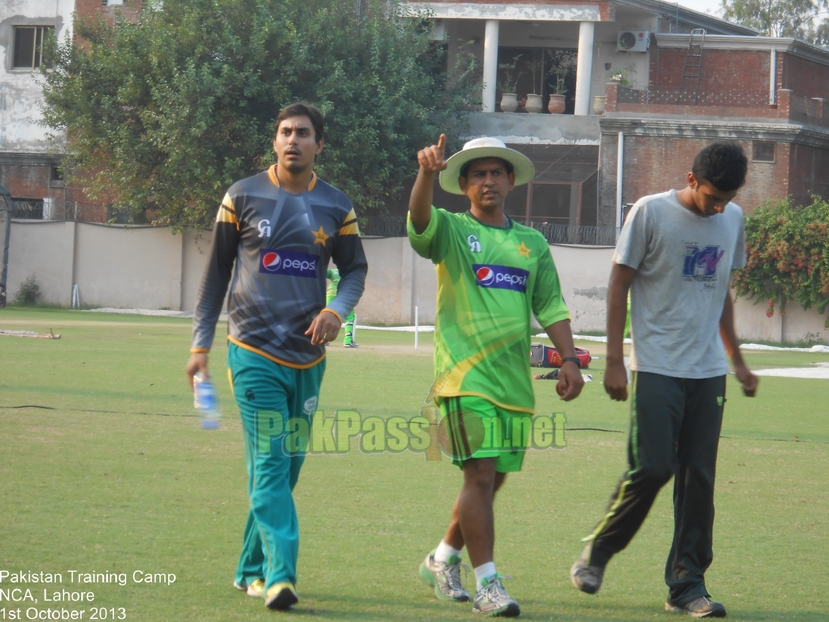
(28,293)
(787,257)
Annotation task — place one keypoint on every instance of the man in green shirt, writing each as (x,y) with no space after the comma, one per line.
(493,273)
(330,293)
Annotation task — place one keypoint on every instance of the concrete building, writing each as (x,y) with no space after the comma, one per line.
(30,163)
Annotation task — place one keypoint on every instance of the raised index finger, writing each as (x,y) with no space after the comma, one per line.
(441,145)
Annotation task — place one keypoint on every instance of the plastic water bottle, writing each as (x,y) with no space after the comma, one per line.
(204,399)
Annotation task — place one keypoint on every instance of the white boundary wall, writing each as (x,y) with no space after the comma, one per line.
(150,268)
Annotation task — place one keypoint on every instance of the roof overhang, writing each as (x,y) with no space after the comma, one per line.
(795,47)
(719,129)
(581,12)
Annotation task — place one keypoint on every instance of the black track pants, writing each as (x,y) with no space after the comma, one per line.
(675,429)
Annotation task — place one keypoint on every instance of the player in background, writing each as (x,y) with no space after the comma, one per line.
(675,254)
(492,274)
(330,293)
(274,234)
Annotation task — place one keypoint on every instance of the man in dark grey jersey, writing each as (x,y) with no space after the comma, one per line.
(274,234)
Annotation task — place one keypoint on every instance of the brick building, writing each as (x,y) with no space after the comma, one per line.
(31,163)
(769,94)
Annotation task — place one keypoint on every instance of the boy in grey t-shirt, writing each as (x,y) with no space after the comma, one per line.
(675,255)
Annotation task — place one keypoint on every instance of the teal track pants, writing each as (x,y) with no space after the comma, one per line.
(272,398)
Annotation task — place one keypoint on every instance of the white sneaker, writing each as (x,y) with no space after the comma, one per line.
(445,578)
(493,601)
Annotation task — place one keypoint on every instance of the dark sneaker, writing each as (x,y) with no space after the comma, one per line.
(445,578)
(702,607)
(584,576)
(281,596)
(493,601)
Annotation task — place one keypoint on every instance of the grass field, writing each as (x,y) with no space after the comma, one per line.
(103,468)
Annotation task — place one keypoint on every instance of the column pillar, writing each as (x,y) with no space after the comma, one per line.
(490,65)
(584,68)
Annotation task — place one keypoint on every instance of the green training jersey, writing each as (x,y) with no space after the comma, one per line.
(333,277)
(490,281)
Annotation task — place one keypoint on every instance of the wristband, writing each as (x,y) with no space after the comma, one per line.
(571,359)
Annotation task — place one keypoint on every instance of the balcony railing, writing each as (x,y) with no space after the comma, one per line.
(788,106)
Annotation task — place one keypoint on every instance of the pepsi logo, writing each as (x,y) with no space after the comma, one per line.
(271,261)
(288,263)
(501,277)
(485,275)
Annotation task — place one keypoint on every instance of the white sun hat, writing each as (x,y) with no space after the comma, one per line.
(485,148)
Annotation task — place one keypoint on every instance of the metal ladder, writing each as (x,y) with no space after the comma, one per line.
(691,72)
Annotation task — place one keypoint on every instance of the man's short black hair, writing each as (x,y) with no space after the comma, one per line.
(723,164)
(465,168)
(303,109)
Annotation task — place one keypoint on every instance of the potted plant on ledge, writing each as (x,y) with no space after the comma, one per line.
(509,84)
(562,64)
(558,98)
(534,103)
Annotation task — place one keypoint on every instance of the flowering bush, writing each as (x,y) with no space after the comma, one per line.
(787,257)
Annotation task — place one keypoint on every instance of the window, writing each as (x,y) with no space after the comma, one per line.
(763,152)
(28,45)
(56,176)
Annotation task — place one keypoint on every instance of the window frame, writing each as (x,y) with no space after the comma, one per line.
(39,36)
(758,143)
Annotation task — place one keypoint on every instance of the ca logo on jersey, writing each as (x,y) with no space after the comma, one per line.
(264,227)
(474,244)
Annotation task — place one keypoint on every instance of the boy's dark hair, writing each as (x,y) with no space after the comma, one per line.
(465,168)
(722,164)
(303,109)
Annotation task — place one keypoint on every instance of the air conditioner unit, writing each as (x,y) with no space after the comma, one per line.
(633,41)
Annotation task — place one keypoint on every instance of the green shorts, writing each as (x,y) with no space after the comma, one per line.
(474,427)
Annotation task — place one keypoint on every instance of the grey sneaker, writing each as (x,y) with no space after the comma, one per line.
(584,576)
(493,601)
(702,607)
(351,345)
(445,578)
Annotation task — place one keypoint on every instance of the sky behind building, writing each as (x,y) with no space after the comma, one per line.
(704,6)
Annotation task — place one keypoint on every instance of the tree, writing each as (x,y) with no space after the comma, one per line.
(162,114)
(781,18)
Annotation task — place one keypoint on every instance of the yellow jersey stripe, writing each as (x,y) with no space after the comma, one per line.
(270,357)
(349,227)
(227,212)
